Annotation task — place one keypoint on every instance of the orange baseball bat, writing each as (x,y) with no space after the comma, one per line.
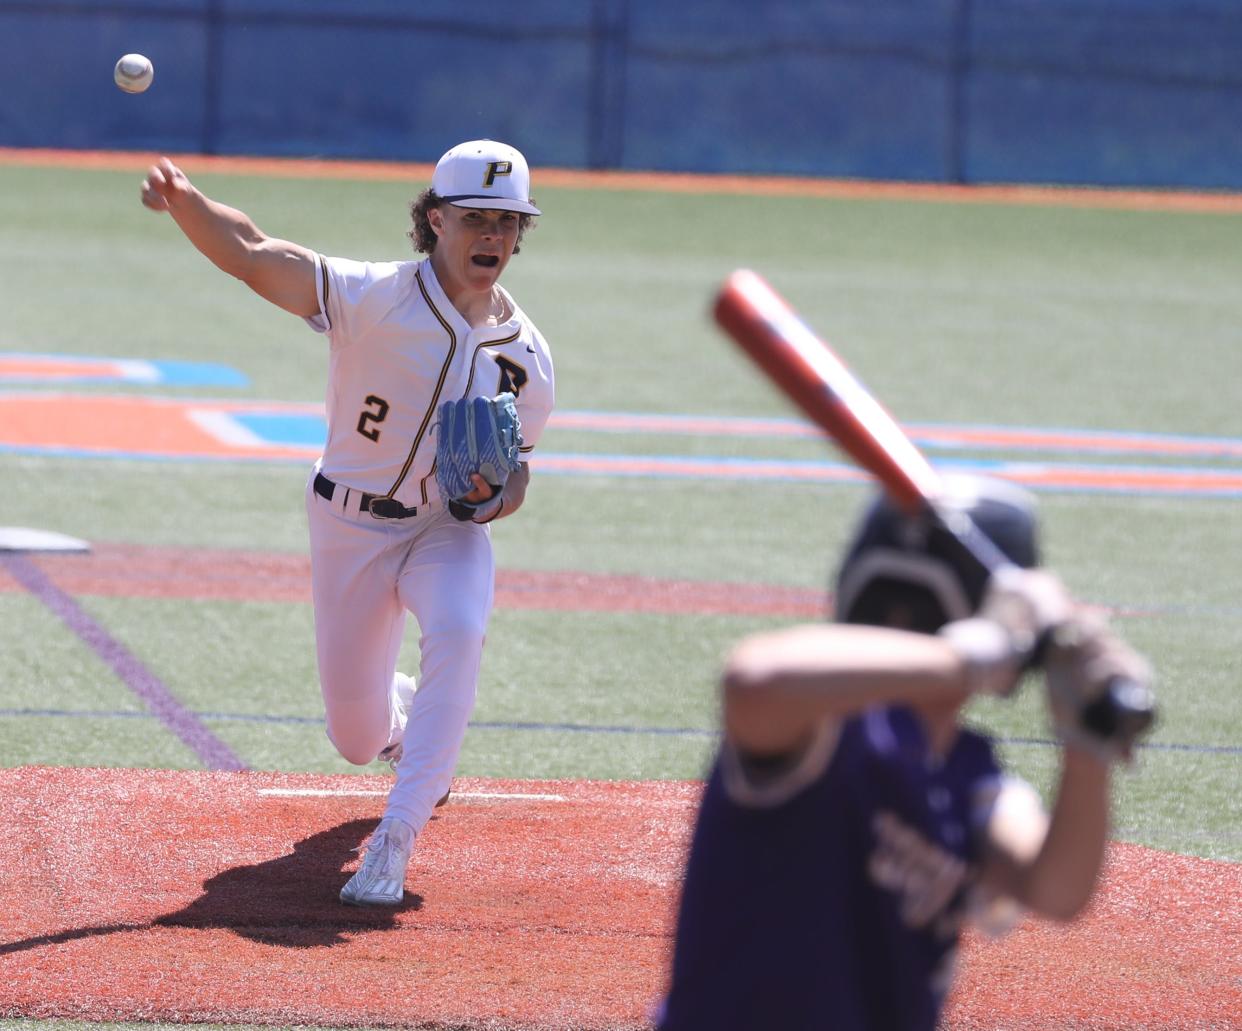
(814,378)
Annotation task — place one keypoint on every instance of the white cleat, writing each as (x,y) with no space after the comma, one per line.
(380,880)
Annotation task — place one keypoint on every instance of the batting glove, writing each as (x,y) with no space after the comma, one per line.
(1095,682)
(1004,639)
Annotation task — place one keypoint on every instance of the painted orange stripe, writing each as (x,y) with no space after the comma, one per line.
(668,182)
(1032,439)
(127,425)
(18,366)
(141,425)
(1150,479)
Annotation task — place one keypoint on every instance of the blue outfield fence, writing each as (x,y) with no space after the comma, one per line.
(1111,92)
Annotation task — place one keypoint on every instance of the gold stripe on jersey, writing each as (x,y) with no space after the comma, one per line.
(474,360)
(435,398)
(422,486)
(323,275)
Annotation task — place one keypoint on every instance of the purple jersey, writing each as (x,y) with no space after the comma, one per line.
(840,907)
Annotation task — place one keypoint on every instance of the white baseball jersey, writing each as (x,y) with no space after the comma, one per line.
(399,350)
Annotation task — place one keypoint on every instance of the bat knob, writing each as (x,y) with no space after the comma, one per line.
(1123,713)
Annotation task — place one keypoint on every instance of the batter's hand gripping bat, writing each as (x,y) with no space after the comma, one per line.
(815,379)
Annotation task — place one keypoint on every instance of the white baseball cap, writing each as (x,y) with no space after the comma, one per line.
(484,174)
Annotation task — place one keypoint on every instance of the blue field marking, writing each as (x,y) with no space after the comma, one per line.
(533,727)
(1043,477)
(143,456)
(288,429)
(196,430)
(1053,477)
(928,435)
(59,369)
(940,436)
(199,374)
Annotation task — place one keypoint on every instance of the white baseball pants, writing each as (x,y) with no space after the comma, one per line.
(366,573)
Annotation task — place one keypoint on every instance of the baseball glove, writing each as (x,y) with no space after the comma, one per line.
(476,435)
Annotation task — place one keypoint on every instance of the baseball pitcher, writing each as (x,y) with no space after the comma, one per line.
(439,386)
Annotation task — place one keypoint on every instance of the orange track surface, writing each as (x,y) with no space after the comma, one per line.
(182,896)
(669,182)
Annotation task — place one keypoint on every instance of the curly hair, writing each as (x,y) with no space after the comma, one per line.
(424,237)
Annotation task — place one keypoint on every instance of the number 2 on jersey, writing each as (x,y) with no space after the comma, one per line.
(376,411)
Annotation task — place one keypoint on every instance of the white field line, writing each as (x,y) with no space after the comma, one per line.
(358,793)
(137,371)
(224,428)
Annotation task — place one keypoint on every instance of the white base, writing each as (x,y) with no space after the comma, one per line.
(18,538)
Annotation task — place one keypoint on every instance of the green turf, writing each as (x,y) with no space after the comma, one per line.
(984,314)
(1013,314)
(1160,801)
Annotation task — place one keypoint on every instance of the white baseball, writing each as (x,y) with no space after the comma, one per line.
(133,73)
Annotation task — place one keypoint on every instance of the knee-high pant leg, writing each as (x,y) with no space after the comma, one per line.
(359,619)
(447,582)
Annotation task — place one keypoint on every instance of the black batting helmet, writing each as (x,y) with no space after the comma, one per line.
(912,573)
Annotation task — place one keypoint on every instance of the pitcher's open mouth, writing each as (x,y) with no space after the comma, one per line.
(486,260)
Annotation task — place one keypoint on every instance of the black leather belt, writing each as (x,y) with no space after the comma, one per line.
(379,507)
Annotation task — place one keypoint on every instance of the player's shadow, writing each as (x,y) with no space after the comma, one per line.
(293,900)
